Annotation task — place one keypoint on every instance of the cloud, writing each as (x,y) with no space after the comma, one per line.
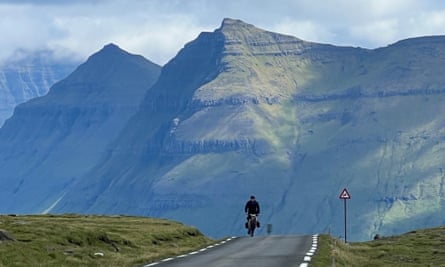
(368,24)
(158,29)
(85,28)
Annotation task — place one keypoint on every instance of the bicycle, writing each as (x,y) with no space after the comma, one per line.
(252,224)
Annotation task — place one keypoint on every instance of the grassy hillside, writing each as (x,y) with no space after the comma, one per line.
(73,240)
(415,248)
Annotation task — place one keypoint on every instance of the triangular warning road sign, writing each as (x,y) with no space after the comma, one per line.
(345,194)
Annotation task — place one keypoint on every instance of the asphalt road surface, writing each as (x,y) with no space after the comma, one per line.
(261,251)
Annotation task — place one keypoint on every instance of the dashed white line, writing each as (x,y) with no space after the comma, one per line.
(151,264)
(308,257)
(191,253)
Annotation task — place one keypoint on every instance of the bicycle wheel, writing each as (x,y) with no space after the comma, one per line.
(252,225)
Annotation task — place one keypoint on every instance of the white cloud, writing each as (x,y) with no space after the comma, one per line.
(158,29)
(427,23)
(88,27)
(306,30)
(386,29)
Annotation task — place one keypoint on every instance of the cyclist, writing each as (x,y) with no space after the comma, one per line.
(252,207)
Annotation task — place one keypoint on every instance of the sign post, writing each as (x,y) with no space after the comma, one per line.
(345,196)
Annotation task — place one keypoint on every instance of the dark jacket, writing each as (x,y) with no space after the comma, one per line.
(252,207)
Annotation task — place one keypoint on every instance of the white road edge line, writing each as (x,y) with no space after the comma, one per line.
(307,258)
(191,253)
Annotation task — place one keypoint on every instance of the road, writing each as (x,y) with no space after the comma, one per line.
(261,251)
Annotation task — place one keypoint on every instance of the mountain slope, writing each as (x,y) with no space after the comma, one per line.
(52,140)
(29,76)
(243,111)
(193,130)
(294,122)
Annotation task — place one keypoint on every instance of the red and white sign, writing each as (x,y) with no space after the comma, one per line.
(345,194)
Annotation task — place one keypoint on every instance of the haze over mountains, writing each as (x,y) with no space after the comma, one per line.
(239,111)
(28,76)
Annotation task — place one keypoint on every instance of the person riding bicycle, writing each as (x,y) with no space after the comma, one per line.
(252,207)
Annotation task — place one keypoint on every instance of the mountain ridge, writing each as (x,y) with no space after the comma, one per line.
(250,154)
(55,138)
(243,111)
(206,148)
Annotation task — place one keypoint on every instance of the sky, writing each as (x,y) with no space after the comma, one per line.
(158,29)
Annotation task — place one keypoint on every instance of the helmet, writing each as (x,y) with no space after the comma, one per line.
(252,197)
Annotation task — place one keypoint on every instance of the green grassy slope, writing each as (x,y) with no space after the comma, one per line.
(416,248)
(72,240)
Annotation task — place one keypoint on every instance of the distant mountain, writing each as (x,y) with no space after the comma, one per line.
(26,76)
(243,111)
(52,140)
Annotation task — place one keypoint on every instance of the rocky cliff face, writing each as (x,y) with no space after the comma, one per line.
(28,77)
(243,111)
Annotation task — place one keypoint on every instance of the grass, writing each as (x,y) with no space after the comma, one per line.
(72,240)
(417,248)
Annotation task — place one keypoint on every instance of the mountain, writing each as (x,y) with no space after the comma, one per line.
(29,75)
(242,111)
(52,140)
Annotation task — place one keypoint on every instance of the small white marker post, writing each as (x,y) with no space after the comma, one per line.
(345,196)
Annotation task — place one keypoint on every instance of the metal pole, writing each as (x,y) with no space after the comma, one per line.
(345,222)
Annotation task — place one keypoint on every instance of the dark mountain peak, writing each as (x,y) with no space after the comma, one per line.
(238,31)
(111,64)
(109,71)
(109,52)
(228,22)
(235,25)
(111,46)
